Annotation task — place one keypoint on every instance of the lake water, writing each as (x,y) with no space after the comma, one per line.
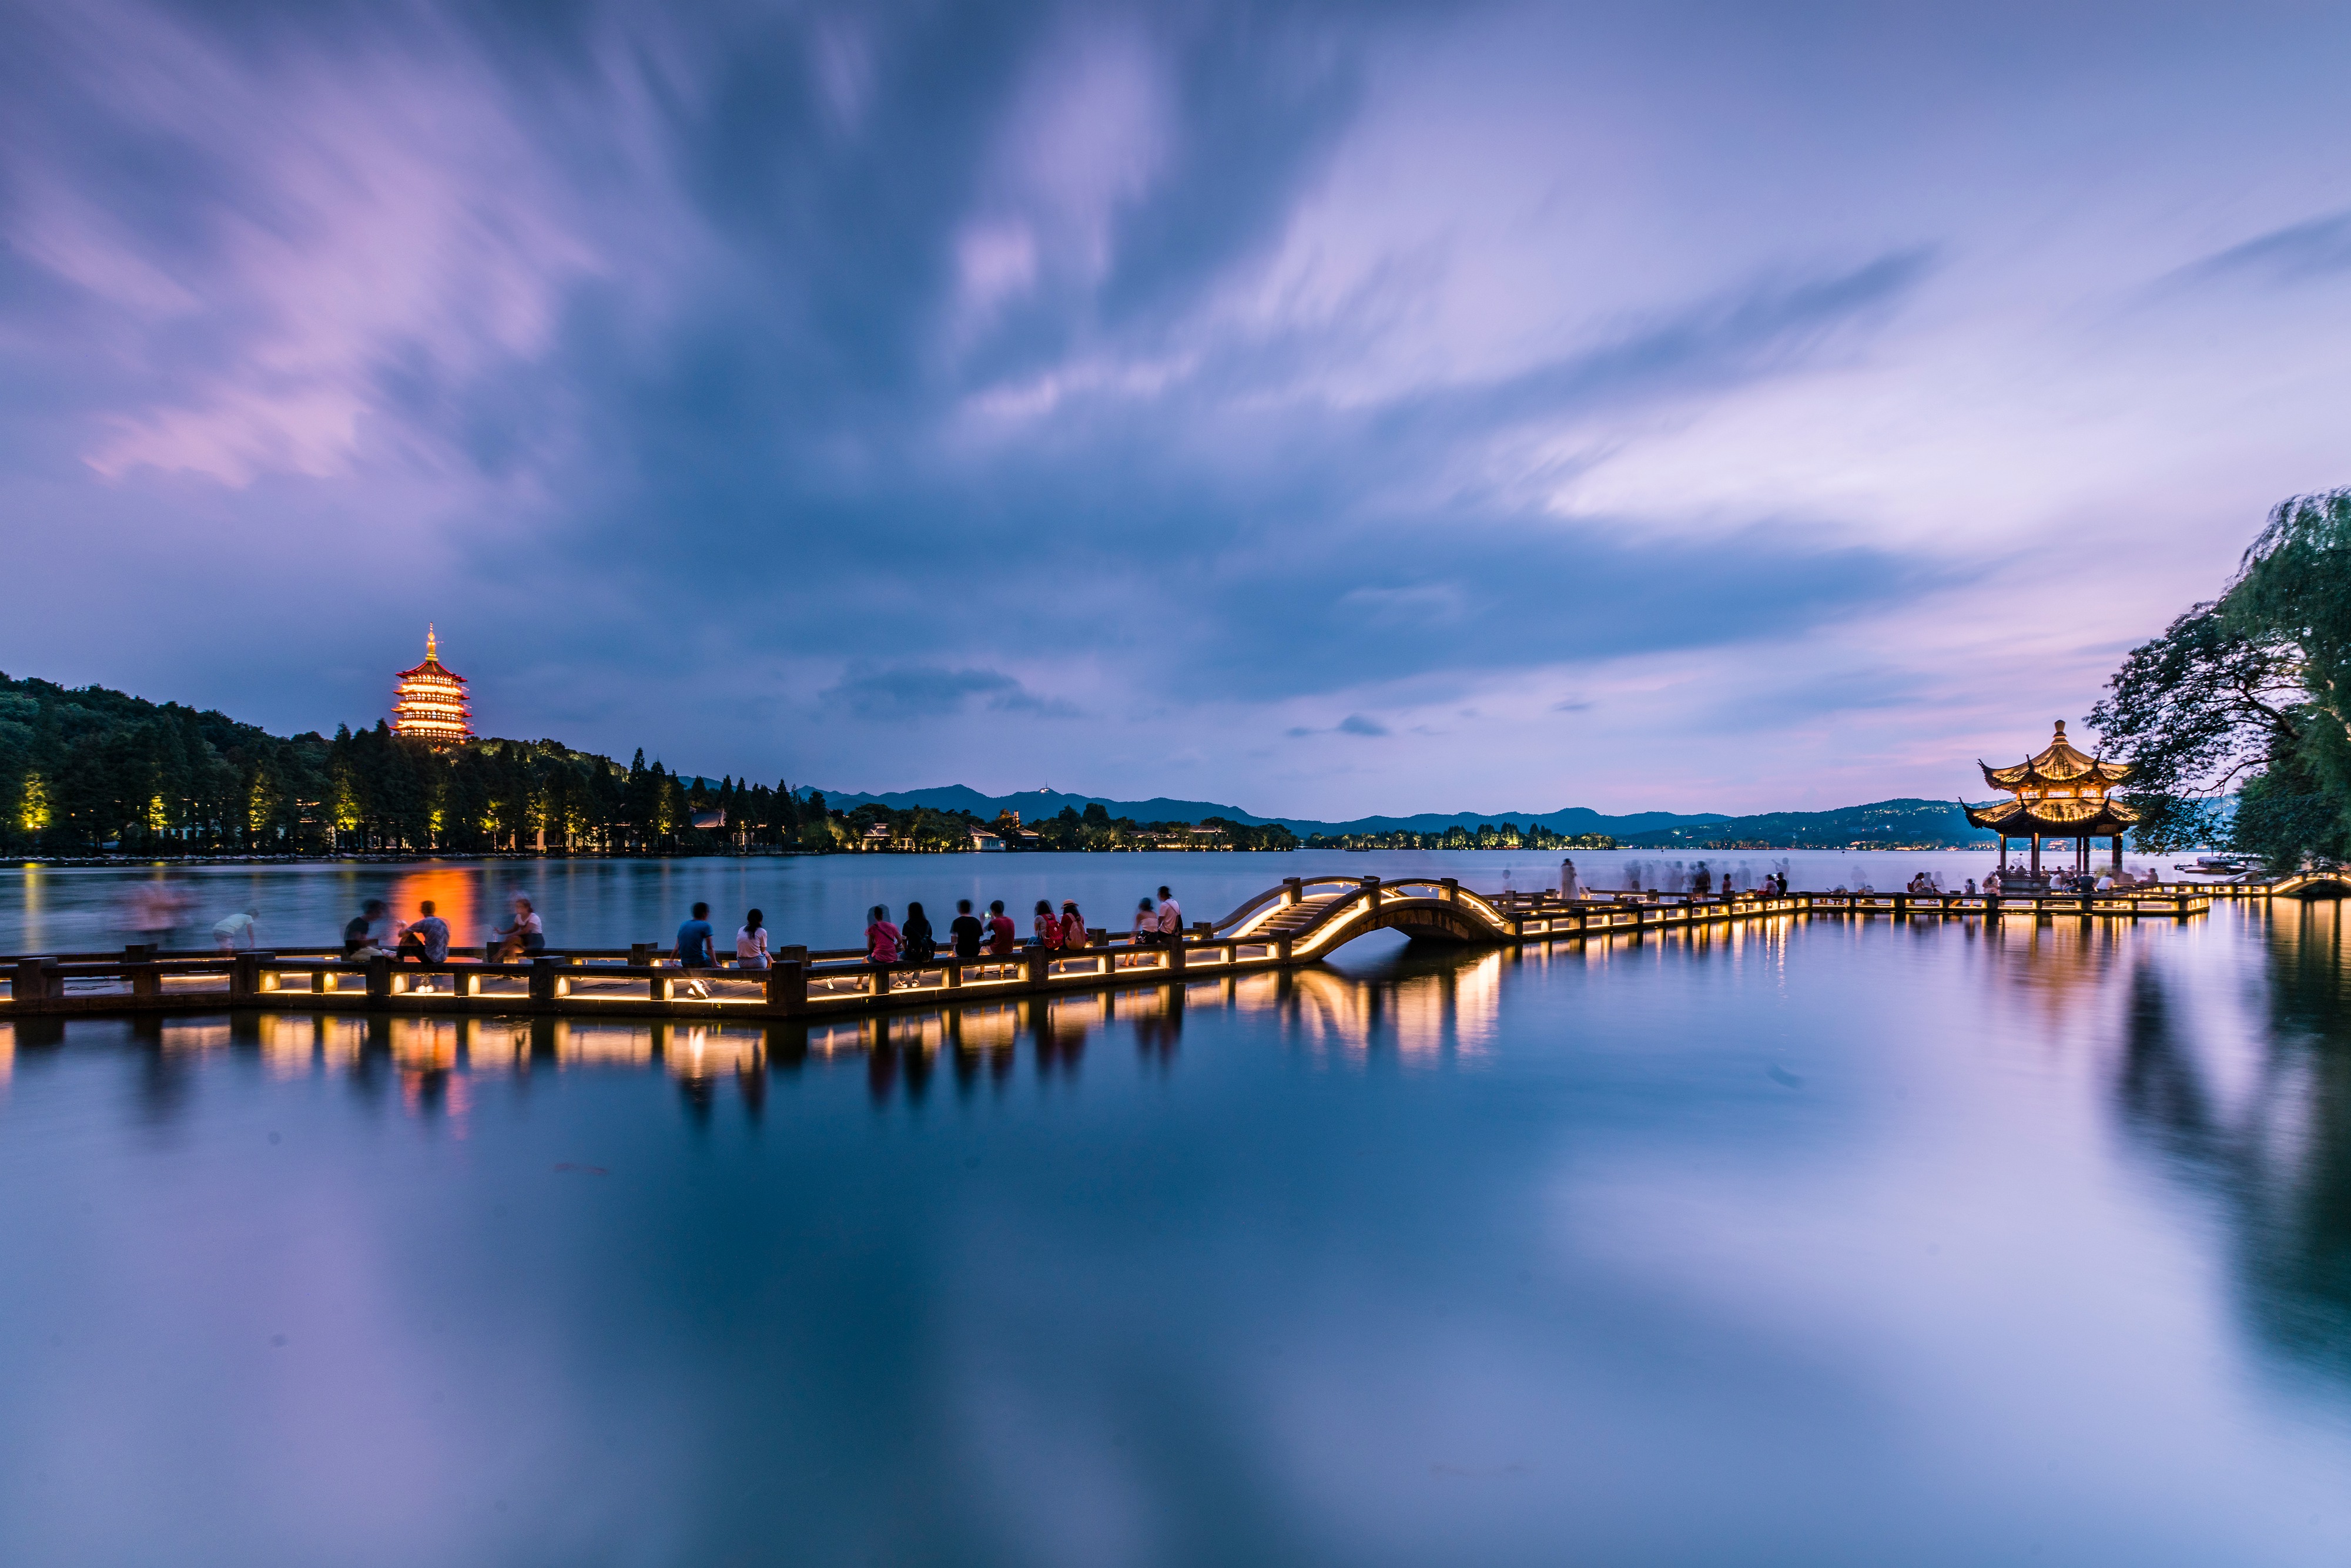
(1809,1243)
(817,900)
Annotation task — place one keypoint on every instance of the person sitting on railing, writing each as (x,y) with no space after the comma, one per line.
(966,929)
(1047,925)
(520,939)
(692,951)
(1003,937)
(1702,881)
(427,941)
(1147,924)
(882,938)
(364,937)
(751,942)
(1171,919)
(1073,926)
(921,944)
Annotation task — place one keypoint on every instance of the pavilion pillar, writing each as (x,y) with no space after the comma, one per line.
(2036,855)
(2118,852)
(2003,854)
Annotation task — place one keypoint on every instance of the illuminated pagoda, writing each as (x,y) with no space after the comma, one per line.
(430,700)
(2060,794)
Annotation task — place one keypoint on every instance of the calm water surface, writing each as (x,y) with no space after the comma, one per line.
(1816,1243)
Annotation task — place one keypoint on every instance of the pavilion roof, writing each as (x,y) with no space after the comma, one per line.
(2060,763)
(2063,819)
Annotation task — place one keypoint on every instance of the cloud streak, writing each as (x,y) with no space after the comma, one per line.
(1127,392)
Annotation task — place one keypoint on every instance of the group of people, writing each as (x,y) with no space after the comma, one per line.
(375,931)
(969,935)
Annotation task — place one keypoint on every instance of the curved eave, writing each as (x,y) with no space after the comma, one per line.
(2087,819)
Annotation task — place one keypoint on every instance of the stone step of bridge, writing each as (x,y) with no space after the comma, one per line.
(1297,917)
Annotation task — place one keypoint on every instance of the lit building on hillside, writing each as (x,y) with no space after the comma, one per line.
(429,702)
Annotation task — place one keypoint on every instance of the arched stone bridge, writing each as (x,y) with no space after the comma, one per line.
(1318,915)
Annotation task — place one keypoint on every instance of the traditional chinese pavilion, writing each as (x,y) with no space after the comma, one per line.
(429,702)
(2059,794)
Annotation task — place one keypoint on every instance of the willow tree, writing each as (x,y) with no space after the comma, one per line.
(2249,696)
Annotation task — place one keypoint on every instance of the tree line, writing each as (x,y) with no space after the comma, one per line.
(2238,719)
(87,770)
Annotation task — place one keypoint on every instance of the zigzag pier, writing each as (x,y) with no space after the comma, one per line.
(1301,922)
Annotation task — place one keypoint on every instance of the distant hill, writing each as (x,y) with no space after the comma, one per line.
(1033,804)
(1908,821)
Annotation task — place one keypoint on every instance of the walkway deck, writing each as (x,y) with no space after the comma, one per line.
(1301,922)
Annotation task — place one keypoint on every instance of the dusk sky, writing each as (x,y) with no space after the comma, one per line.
(1326,410)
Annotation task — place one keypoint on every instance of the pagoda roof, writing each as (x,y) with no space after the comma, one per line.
(2074,819)
(433,666)
(2060,763)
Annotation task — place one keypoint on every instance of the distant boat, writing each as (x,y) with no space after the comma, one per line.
(2219,865)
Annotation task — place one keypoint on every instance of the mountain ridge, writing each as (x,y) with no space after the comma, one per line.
(1904,819)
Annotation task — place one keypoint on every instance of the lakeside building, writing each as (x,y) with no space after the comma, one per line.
(429,701)
(2059,794)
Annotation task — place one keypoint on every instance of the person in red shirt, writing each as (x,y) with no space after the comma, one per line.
(1073,926)
(1001,935)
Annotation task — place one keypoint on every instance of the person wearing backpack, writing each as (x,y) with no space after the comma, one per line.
(1073,926)
(1047,925)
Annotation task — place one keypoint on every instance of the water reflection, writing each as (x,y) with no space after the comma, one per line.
(2267,1136)
(1429,1256)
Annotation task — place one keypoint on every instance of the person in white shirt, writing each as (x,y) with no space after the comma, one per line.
(751,943)
(1171,918)
(235,933)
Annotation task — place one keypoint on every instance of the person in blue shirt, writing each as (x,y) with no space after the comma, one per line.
(692,949)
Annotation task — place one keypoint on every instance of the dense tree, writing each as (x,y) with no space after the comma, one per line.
(2251,693)
(2197,711)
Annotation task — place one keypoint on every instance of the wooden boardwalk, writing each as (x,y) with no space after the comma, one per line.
(1301,922)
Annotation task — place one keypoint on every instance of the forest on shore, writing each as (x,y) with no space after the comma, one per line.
(88,771)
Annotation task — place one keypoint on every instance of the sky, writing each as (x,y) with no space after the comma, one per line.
(1325,409)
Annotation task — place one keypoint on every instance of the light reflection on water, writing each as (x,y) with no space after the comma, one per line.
(1819,1242)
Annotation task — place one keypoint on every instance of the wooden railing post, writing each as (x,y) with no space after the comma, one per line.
(1452,886)
(788,986)
(34,984)
(1293,889)
(379,980)
(542,981)
(245,976)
